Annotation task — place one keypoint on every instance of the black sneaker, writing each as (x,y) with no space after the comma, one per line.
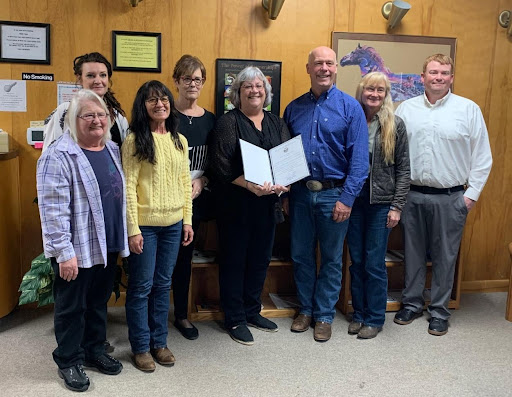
(262,323)
(105,364)
(406,316)
(438,326)
(75,378)
(241,334)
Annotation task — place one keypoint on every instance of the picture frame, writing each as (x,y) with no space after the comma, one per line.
(226,71)
(137,51)
(361,53)
(25,42)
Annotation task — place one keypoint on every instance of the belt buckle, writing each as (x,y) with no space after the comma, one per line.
(314,186)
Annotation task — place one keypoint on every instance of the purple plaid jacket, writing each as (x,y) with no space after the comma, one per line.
(70,204)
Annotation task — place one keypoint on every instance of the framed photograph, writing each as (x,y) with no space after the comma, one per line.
(23,42)
(226,72)
(137,51)
(399,57)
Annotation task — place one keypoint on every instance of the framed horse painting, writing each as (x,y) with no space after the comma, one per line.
(399,57)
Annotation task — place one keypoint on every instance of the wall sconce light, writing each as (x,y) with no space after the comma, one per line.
(395,11)
(134,3)
(273,7)
(504,20)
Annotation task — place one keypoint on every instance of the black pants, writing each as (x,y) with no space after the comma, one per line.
(203,211)
(80,317)
(246,227)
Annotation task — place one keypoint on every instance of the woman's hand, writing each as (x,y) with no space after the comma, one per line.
(279,189)
(68,270)
(393,218)
(197,187)
(136,243)
(259,190)
(188,235)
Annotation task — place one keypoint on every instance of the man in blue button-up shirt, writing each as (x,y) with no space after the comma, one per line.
(335,138)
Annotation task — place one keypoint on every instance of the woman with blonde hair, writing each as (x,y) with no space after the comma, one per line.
(377,209)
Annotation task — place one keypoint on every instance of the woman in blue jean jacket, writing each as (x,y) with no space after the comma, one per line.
(377,209)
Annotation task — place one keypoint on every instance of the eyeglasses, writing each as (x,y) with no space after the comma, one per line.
(250,87)
(154,100)
(197,81)
(380,90)
(91,116)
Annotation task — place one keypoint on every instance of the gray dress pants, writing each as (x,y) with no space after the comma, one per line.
(432,223)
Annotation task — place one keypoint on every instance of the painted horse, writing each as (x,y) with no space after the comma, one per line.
(403,86)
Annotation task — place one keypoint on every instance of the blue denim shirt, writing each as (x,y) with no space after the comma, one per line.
(70,206)
(335,138)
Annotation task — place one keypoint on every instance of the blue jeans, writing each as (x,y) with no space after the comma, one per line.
(149,285)
(367,242)
(311,222)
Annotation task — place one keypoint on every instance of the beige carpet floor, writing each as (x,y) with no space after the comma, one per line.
(473,359)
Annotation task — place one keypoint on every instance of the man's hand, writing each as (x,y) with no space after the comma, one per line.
(68,270)
(188,235)
(469,203)
(136,243)
(340,212)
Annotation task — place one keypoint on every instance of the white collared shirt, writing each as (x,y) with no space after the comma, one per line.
(448,143)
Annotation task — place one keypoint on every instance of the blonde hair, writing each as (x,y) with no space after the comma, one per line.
(441,58)
(386,113)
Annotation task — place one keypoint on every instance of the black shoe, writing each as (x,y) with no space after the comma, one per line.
(108,347)
(262,323)
(189,333)
(75,378)
(438,326)
(406,316)
(241,334)
(105,364)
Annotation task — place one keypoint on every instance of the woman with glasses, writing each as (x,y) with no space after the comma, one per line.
(245,211)
(195,124)
(93,72)
(159,213)
(379,205)
(82,204)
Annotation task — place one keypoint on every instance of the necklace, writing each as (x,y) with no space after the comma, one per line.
(189,119)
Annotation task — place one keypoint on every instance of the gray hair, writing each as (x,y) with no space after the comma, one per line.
(75,107)
(249,74)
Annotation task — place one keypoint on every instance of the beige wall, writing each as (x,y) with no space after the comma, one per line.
(238,29)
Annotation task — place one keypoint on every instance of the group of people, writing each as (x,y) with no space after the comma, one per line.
(370,167)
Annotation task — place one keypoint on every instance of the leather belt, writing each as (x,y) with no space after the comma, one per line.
(317,186)
(435,190)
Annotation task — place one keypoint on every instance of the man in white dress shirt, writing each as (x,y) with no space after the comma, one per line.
(450,163)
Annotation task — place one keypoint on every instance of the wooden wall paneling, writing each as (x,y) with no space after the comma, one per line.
(229,28)
(10,230)
(486,239)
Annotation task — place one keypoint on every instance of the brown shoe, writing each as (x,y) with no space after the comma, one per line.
(144,362)
(368,332)
(163,356)
(322,331)
(354,327)
(301,323)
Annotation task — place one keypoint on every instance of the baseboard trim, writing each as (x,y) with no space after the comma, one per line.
(484,286)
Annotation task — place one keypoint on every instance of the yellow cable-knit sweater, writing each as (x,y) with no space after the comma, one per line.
(160,194)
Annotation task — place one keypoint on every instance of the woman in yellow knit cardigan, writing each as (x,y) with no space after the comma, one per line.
(159,207)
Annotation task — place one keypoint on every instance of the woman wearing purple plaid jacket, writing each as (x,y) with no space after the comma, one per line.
(82,204)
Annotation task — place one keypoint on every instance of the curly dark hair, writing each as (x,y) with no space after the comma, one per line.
(144,144)
(109,98)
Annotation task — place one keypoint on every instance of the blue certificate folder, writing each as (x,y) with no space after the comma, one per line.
(281,165)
